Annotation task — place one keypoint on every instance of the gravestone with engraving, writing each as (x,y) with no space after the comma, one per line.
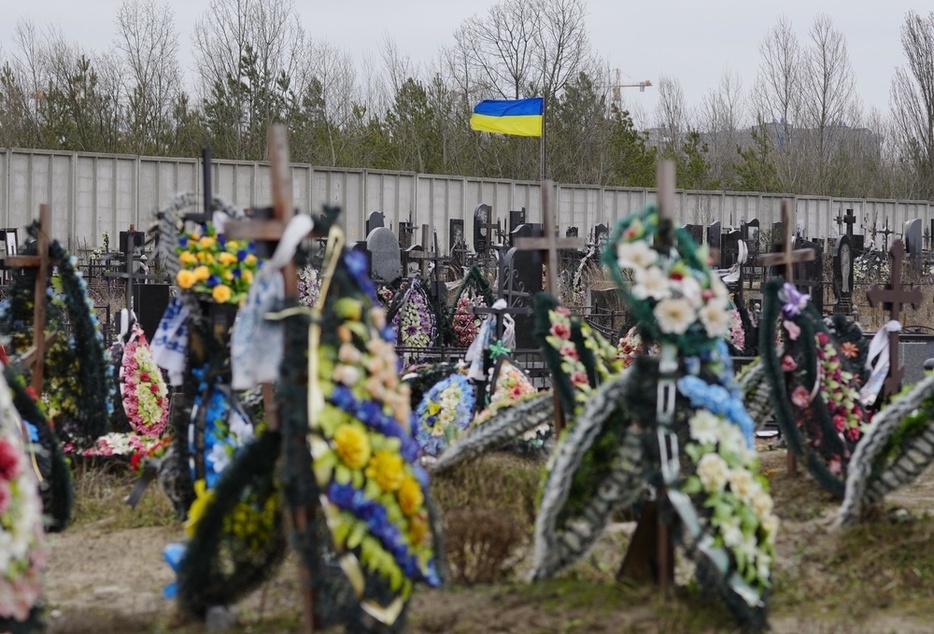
(843,275)
(385,255)
(375,221)
(600,234)
(456,234)
(572,232)
(523,275)
(809,276)
(714,231)
(914,244)
(482,233)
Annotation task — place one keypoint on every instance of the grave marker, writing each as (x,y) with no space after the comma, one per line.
(914,244)
(375,220)
(894,296)
(385,255)
(843,275)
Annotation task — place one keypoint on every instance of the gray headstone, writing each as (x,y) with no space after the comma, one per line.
(914,243)
(385,256)
(482,238)
(375,221)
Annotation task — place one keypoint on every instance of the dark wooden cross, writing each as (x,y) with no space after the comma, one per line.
(787,258)
(894,296)
(272,230)
(850,220)
(35,356)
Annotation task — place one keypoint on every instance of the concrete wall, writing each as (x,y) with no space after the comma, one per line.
(95,193)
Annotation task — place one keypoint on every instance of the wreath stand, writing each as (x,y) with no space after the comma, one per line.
(35,356)
(303,517)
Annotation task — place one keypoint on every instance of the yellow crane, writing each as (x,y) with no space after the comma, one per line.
(618,86)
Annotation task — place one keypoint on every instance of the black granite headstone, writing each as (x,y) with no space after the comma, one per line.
(914,244)
(521,278)
(571,232)
(375,221)
(516,218)
(455,234)
(482,235)
(697,233)
(714,231)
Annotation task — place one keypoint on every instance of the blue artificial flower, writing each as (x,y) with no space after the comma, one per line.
(183,241)
(241,254)
(213,281)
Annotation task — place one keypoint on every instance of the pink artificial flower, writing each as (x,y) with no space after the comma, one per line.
(839,423)
(801,397)
(853,434)
(569,350)
(9,460)
(793,330)
(579,377)
(561,330)
(835,466)
(822,338)
(563,310)
(788,364)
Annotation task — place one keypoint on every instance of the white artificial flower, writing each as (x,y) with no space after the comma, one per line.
(705,427)
(242,431)
(762,502)
(674,315)
(750,547)
(769,524)
(763,566)
(651,282)
(741,484)
(690,290)
(716,320)
(635,255)
(713,472)
(218,457)
(733,442)
(732,535)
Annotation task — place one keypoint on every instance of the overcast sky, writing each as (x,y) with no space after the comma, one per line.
(685,39)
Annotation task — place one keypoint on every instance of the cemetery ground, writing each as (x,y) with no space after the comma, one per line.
(106,572)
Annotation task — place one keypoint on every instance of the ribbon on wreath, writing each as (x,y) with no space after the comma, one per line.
(878,350)
(170,344)
(256,345)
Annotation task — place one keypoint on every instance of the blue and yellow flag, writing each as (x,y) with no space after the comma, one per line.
(522,117)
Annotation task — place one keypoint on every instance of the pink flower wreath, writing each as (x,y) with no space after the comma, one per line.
(144,392)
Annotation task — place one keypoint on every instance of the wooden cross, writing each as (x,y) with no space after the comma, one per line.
(850,220)
(272,230)
(894,296)
(787,257)
(549,244)
(40,261)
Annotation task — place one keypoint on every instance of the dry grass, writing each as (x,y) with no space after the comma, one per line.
(101,486)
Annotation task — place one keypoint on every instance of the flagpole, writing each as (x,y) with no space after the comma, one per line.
(541,149)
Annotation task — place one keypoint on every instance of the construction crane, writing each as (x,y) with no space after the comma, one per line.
(618,86)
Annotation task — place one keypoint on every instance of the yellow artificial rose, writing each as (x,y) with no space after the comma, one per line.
(227,258)
(250,259)
(187,258)
(185,279)
(202,273)
(418,528)
(386,470)
(410,496)
(247,276)
(208,258)
(221,293)
(206,242)
(353,446)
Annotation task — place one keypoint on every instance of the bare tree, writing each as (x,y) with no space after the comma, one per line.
(670,114)
(777,99)
(720,118)
(830,105)
(148,40)
(912,102)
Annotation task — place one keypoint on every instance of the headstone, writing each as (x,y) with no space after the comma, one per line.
(714,231)
(729,248)
(150,301)
(411,260)
(697,233)
(406,233)
(600,234)
(843,275)
(914,243)
(482,235)
(455,234)
(572,232)
(138,240)
(385,255)
(516,218)
(522,275)
(751,235)
(375,221)
(810,274)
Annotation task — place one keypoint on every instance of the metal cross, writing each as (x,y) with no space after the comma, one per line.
(129,273)
(787,257)
(894,296)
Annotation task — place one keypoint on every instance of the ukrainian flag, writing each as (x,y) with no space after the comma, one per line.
(522,117)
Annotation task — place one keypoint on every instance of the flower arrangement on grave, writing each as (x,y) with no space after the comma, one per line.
(414,321)
(737,334)
(215,268)
(473,292)
(145,394)
(631,346)
(444,412)
(815,391)
(77,391)
(49,464)
(22,556)
(603,463)
(116,445)
(309,285)
(364,455)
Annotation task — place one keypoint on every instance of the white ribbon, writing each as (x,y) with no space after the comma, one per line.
(256,345)
(474,356)
(170,343)
(878,350)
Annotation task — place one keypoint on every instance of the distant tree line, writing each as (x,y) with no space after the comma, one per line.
(801,128)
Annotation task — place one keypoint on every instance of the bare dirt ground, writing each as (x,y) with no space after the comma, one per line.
(106,575)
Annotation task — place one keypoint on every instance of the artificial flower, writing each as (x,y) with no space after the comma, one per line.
(386,469)
(352,445)
(635,255)
(674,316)
(650,283)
